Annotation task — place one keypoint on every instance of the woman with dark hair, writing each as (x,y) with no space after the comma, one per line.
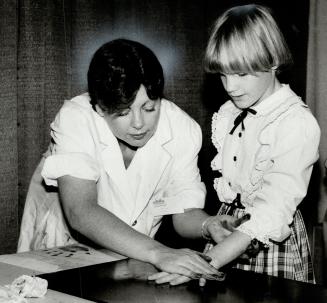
(122,157)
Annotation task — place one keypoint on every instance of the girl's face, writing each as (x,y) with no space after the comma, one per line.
(136,124)
(247,90)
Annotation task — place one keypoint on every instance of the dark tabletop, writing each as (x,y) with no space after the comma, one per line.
(126,281)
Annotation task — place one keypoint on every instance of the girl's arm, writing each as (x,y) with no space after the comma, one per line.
(292,143)
(229,249)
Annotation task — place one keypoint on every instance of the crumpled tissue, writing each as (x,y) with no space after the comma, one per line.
(7,296)
(23,287)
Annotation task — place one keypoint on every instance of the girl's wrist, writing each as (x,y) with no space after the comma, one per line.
(215,262)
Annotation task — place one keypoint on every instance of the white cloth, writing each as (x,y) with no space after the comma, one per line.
(8,296)
(163,177)
(269,163)
(29,287)
(23,287)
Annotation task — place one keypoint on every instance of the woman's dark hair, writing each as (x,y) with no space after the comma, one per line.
(116,72)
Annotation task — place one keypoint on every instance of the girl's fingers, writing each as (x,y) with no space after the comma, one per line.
(180,280)
(168,278)
(172,279)
(158,275)
(176,279)
(202,282)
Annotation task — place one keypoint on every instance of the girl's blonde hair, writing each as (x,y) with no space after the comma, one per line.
(246,39)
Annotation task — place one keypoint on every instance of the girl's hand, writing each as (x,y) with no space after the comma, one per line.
(172,279)
(176,279)
(185,262)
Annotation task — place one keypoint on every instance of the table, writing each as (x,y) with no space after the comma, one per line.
(125,281)
(52,260)
(9,272)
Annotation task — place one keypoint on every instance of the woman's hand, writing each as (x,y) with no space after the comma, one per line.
(218,227)
(186,262)
(221,226)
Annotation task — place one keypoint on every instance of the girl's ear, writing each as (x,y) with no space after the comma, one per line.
(99,110)
(274,68)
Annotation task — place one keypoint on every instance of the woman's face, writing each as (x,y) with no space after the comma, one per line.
(247,90)
(136,124)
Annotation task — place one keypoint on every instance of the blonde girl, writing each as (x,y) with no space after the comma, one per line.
(267,142)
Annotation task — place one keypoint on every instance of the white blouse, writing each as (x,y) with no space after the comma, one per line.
(269,163)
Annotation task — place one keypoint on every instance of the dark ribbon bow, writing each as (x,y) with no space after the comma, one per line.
(235,204)
(240,119)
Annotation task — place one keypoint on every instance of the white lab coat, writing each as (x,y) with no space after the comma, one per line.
(163,177)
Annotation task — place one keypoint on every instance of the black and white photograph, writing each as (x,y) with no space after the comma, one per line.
(163,151)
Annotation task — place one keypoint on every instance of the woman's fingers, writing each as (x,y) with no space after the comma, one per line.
(184,262)
(200,265)
(205,257)
(203,280)
(194,271)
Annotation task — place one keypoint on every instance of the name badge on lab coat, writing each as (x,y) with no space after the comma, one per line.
(165,206)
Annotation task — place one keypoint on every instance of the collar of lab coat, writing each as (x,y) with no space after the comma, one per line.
(155,153)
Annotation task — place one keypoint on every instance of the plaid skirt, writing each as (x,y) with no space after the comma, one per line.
(290,259)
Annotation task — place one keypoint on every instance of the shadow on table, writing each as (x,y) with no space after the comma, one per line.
(126,281)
